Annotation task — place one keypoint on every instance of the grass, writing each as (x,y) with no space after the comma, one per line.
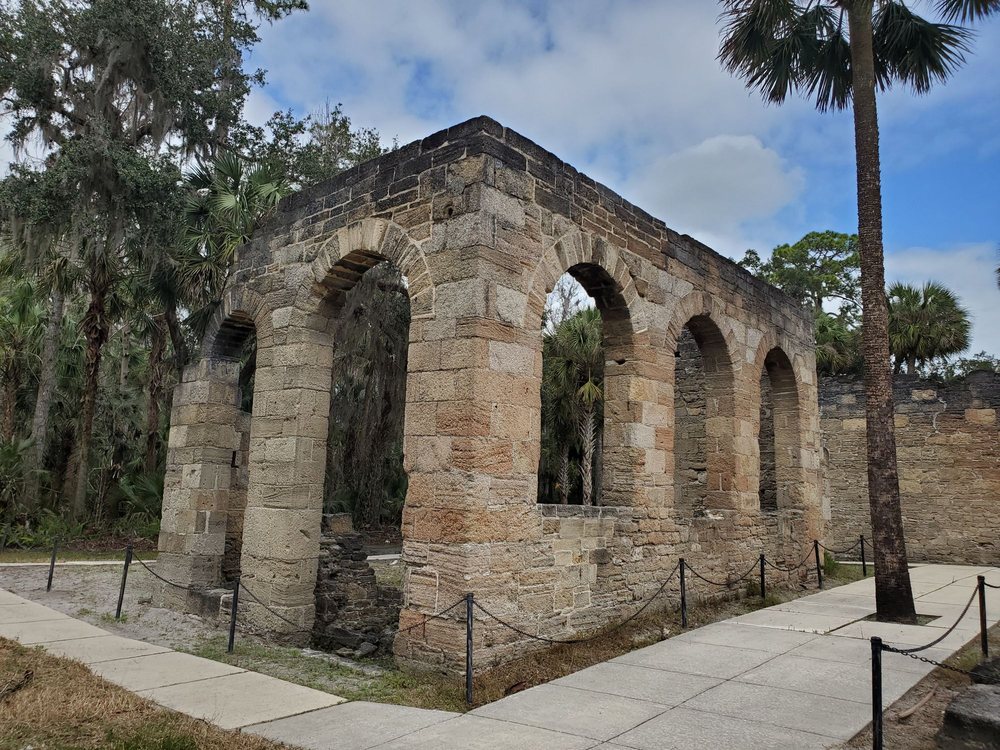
(36,555)
(384,684)
(64,706)
(445,692)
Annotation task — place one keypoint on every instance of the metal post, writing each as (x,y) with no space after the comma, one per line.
(819,569)
(763,591)
(52,565)
(876,693)
(121,591)
(983,639)
(232,615)
(684,601)
(469,601)
(864,565)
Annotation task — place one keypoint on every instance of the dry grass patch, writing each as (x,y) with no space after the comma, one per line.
(62,705)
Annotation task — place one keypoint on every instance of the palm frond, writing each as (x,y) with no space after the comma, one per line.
(914,50)
(965,11)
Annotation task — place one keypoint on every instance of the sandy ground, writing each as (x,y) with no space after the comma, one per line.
(91,593)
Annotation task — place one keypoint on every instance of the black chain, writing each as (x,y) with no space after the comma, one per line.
(158,576)
(944,635)
(600,634)
(728,583)
(925,660)
(788,570)
(839,551)
(427,618)
(280,617)
(990,585)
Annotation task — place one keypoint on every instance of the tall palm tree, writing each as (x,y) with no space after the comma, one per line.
(841,52)
(21,326)
(925,323)
(577,366)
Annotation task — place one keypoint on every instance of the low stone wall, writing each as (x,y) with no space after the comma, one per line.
(948,449)
(354,615)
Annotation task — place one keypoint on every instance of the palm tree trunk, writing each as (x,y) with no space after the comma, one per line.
(911,366)
(564,473)
(95,329)
(176,339)
(43,400)
(586,430)
(157,347)
(893,594)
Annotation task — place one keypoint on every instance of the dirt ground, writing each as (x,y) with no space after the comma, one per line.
(918,730)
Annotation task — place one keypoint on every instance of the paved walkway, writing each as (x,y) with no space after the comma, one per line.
(793,676)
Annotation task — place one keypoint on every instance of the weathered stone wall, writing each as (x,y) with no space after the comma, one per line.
(238,481)
(948,449)
(483,223)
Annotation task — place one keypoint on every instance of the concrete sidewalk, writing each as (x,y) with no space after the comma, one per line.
(796,675)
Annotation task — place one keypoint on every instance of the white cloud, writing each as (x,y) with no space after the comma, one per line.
(713,188)
(968,270)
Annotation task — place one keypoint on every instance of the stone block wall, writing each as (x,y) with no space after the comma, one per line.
(948,448)
(483,222)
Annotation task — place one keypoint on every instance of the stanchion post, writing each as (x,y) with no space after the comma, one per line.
(876,693)
(984,641)
(864,564)
(52,564)
(469,602)
(232,615)
(121,591)
(763,590)
(819,568)
(684,601)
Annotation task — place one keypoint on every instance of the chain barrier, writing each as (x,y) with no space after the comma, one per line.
(936,641)
(839,551)
(271,611)
(990,585)
(601,634)
(788,570)
(926,660)
(159,577)
(727,584)
(427,618)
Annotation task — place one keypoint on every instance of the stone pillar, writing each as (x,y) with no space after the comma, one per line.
(198,478)
(288,435)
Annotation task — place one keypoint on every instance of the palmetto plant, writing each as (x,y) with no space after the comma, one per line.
(574,383)
(227,198)
(925,323)
(841,53)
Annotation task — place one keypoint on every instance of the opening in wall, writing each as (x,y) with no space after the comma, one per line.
(572,414)
(778,434)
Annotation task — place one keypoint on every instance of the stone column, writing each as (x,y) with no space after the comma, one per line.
(197,484)
(288,435)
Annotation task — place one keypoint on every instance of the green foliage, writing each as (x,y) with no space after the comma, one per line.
(838,345)
(365,474)
(572,406)
(964,366)
(44,530)
(822,267)
(925,324)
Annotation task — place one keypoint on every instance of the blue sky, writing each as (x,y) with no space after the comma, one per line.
(630,92)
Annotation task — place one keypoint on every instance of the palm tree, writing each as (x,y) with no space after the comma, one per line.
(227,198)
(837,350)
(783,46)
(577,366)
(925,323)
(21,326)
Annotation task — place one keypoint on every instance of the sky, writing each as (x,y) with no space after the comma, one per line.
(630,92)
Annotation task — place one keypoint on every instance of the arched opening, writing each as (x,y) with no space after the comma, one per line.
(364,460)
(703,408)
(236,340)
(366,306)
(778,434)
(586,332)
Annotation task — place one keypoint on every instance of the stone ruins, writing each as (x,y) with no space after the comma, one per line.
(704,365)
(948,448)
